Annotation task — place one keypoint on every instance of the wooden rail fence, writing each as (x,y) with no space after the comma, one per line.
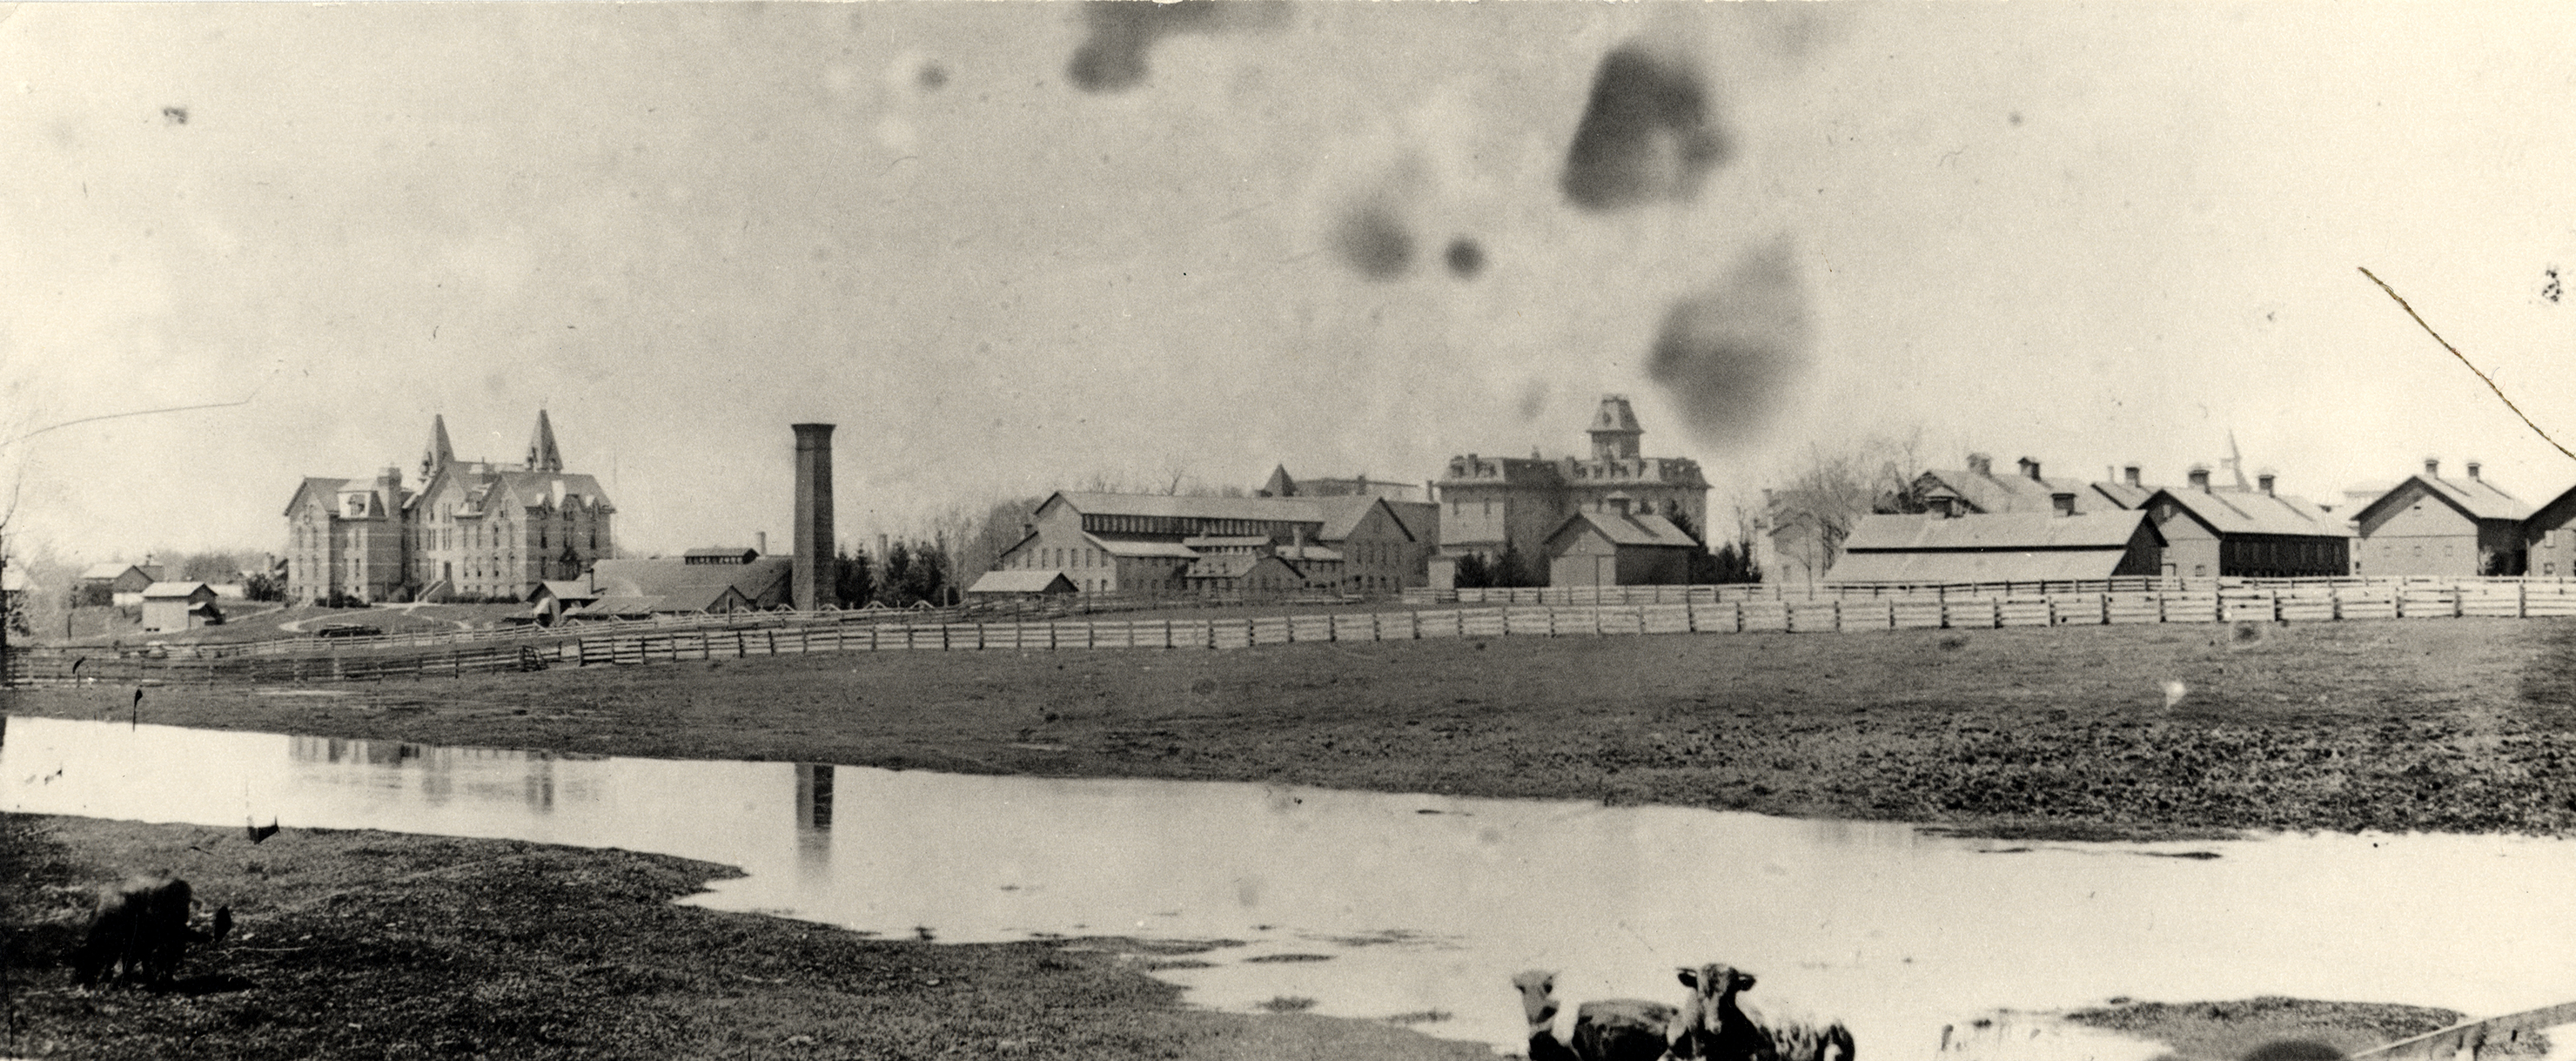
(1699,611)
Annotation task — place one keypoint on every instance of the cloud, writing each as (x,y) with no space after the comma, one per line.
(1373,240)
(1114,56)
(1727,354)
(1648,134)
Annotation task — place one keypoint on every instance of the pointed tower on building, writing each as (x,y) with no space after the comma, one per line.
(1614,429)
(1280,485)
(542,454)
(439,454)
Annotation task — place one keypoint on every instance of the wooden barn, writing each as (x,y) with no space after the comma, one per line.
(2430,525)
(1938,549)
(172,606)
(2247,533)
(1618,548)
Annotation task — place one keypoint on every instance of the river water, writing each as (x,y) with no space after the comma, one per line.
(1420,907)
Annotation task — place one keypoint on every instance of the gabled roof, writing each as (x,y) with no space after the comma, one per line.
(565,590)
(176,590)
(1279,509)
(2474,498)
(1343,515)
(2252,512)
(743,552)
(1996,494)
(316,484)
(2557,513)
(1627,529)
(687,587)
(1994,532)
(105,571)
(622,605)
(1421,519)
(2123,494)
(1023,581)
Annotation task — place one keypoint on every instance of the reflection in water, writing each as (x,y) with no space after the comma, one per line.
(1427,904)
(813,818)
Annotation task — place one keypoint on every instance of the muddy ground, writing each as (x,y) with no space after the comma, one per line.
(372,945)
(2163,731)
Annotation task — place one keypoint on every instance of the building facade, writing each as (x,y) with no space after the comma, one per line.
(1491,506)
(2431,525)
(1618,549)
(1112,543)
(474,530)
(1945,549)
(2256,533)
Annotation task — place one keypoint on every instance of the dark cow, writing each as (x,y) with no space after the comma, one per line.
(1715,1027)
(1618,1029)
(142,931)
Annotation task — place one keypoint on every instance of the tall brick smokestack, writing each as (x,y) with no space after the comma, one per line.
(812,585)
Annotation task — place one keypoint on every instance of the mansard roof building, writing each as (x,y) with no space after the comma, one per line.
(473,529)
(1493,505)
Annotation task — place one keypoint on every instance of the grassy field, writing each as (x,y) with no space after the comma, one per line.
(505,949)
(2455,725)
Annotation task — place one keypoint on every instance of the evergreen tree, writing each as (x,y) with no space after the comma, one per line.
(851,587)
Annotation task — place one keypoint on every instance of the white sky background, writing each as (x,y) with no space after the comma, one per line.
(2089,235)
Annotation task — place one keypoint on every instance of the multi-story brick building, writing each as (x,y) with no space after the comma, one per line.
(474,529)
(1493,505)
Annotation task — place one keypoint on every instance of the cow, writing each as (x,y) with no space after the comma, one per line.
(1619,1029)
(1715,1028)
(141,930)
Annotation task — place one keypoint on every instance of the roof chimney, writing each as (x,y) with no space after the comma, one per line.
(2263,480)
(760,542)
(1981,464)
(2030,468)
(2200,477)
(2432,467)
(2132,472)
(2473,469)
(2062,502)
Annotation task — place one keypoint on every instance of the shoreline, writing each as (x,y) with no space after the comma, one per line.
(2070,733)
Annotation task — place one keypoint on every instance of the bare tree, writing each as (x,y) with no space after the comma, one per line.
(1829,492)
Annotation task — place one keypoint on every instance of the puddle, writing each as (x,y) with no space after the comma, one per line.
(1362,905)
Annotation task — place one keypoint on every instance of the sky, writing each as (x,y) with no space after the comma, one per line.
(1012,248)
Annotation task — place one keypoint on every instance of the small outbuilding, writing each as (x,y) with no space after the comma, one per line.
(1618,548)
(998,584)
(122,584)
(171,606)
